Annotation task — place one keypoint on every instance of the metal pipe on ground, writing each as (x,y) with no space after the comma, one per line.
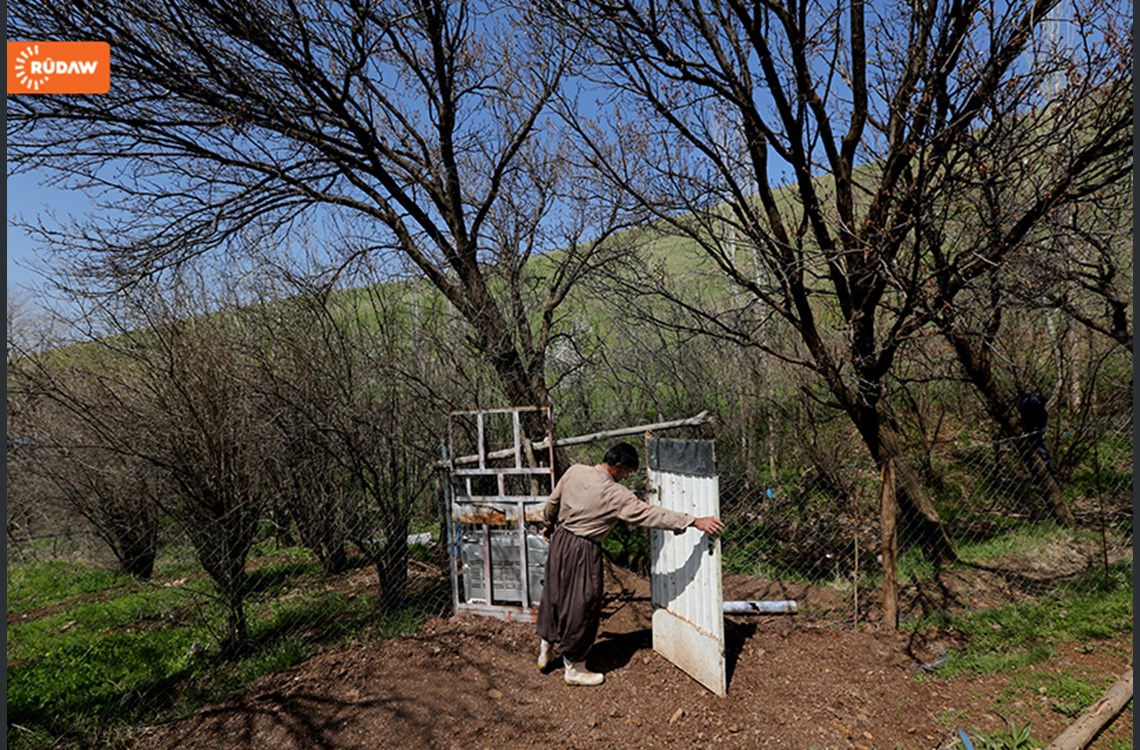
(777,607)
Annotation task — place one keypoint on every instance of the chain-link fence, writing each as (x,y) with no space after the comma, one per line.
(1011,535)
(815,536)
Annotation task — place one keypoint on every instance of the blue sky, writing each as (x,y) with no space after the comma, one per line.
(28,197)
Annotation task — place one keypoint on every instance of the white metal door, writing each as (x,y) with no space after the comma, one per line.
(688,602)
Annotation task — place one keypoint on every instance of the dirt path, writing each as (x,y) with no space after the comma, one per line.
(470,683)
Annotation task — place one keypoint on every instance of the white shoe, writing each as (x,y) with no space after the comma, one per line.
(547,654)
(577,674)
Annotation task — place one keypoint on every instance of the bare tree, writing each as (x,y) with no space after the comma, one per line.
(88,478)
(1083,269)
(974,349)
(167,400)
(1007,345)
(63,476)
(1069,259)
(353,383)
(417,132)
(813,152)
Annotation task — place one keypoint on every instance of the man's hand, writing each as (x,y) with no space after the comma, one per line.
(547,532)
(709,525)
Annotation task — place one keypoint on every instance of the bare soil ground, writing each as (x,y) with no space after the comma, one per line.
(798,681)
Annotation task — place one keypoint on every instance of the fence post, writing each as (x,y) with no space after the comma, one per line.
(888,508)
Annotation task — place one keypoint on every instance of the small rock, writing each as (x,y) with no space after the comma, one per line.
(733,729)
(677,715)
(494,694)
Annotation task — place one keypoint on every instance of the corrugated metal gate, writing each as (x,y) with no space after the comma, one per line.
(685,577)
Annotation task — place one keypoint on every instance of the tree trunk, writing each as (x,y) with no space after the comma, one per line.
(978,369)
(138,559)
(222,547)
(919,516)
(520,372)
(134,541)
(236,640)
(323,535)
(888,514)
(1048,488)
(1092,722)
(920,519)
(392,570)
(229,576)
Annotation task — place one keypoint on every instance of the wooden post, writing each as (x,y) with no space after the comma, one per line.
(855,577)
(1099,715)
(888,508)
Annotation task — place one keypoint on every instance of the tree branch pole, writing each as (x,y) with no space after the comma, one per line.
(693,421)
(888,509)
(1092,722)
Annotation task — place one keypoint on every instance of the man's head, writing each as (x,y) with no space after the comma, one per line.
(622,458)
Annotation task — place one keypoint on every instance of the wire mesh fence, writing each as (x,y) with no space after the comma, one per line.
(814,537)
(825,543)
(810,535)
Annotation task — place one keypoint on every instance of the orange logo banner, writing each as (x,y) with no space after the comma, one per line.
(59,67)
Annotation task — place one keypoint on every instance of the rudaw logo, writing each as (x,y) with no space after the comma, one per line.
(59,67)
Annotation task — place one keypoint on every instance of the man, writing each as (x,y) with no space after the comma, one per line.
(586,504)
(1034,421)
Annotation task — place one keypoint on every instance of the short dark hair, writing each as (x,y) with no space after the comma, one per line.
(623,455)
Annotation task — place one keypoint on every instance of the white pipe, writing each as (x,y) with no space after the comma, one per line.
(782,607)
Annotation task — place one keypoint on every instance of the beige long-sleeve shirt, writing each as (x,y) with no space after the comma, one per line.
(589,503)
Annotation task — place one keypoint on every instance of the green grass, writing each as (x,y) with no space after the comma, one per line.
(914,565)
(95,665)
(118,652)
(31,587)
(1016,539)
(1091,608)
(1122,744)
(1067,694)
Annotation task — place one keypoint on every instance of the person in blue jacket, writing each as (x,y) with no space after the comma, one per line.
(1034,420)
